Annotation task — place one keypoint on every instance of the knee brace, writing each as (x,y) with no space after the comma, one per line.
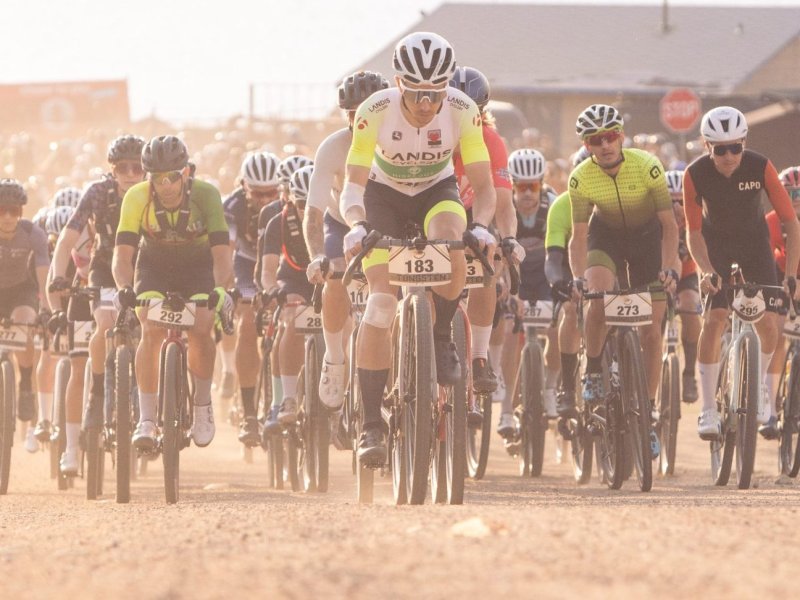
(380,311)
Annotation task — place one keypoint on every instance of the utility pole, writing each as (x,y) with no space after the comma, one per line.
(665,26)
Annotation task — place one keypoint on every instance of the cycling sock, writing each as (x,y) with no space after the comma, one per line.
(202,392)
(45,406)
(334,353)
(689,356)
(373,383)
(147,406)
(773,381)
(25,378)
(709,373)
(569,367)
(228,361)
(496,358)
(445,309)
(550,378)
(594,364)
(98,384)
(277,391)
(289,384)
(73,436)
(248,394)
(766,358)
(480,340)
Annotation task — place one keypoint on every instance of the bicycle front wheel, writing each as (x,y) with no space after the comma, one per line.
(533,421)
(7,402)
(789,393)
(94,442)
(63,369)
(122,409)
(669,408)
(316,427)
(637,408)
(172,393)
(747,426)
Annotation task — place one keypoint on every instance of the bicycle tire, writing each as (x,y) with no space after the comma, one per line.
(580,439)
(478,439)
(637,408)
(669,408)
(172,392)
(293,471)
(456,420)
(534,421)
(747,429)
(365,476)
(610,447)
(63,369)
(794,416)
(787,412)
(122,411)
(276,460)
(394,446)
(93,441)
(439,449)
(722,448)
(7,402)
(316,424)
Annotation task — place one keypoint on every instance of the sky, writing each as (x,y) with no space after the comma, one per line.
(192,60)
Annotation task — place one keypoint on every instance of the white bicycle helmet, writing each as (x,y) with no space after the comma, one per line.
(723,124)
(424,58)
(526,165)
(290,164)
(598,118)
(260,169)
(69,196)
(300,183)
(674,182)
(580,155)
(57,219)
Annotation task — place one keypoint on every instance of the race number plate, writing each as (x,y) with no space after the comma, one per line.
(107,298)
(474,272)
(749,308)
(540,313)
(82,333)
(429,267)
(307,321)
(791,328)
(628,309)
(13,337)
(164,317)
(672,333)
(358,292)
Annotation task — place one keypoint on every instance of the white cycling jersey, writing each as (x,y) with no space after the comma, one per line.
(328,176)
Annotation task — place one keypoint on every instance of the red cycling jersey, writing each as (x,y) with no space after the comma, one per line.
(498,156)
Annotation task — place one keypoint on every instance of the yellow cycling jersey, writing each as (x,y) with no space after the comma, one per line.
(412,159)
(627,200)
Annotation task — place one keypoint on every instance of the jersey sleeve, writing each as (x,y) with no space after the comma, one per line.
(777,194)
(559,223)
(41,253)
(323,176)
(365,137)
(80,218)
(131,212)
(657,185)
(580,204)
(692,209)
(473,148)
(230,218)
(498,156)
(215,217)
(272,237)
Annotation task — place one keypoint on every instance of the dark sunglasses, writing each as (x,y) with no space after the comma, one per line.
(528,187)
(14,211)
(130,168)
(166,177)
(272,193)
(723,149)
(598,139)
(417,96)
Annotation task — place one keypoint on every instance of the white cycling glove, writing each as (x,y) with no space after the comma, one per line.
(484,235)
(353,237)
(518,252)
(314,270)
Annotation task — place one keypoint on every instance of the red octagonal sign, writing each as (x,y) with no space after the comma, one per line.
(679,110)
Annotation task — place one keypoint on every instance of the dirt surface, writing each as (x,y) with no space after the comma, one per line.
(231,536)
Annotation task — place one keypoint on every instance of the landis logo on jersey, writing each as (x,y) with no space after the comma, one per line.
(417,156)
(361,123)
(379,105)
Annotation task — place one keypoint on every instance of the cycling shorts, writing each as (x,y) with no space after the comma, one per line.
(23,294)
(690,282)
(334,236)
(533,284)
(244,276)
(297,284)
(635,253)
(188,274)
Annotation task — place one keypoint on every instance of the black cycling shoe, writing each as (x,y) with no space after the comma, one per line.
(249,434)
(371,447)
(26,411)
(448,367)
(93,415)
(565,404)
(689,388)
(484,381)
(770,430)
(474,419)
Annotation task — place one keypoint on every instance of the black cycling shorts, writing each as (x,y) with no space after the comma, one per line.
(23,294)
(188,274)
(635,253)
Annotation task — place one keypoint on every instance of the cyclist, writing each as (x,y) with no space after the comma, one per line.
(284,263)
(324,230)
(259,190)
(68,196)
(722,202)
(533,199)
(22,244)
(399,168)
(177,222)
(632,227)
(482,301)
(790,178)
(100,208)
(687,291)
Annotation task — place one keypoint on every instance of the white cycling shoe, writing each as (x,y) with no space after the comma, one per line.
(203,427)
(506,426)
(500,392)
(331,385)
(709,425)
(764,412)
(145,434)
(31,443)
(68,465)
(549,398)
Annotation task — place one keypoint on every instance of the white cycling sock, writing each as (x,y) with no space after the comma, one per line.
(289,383)
(45,406)
(773,381)
(496,358)
(148,406)
(766,358)
(709,374)
(73,436)
(277,390)
(334,353)
(202,392)
(550,378)
(480,340)
(228,361)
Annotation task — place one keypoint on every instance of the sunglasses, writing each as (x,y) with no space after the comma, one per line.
(417,96)
(271,193)
(608,136)
(528,187)
(166,177)
(723,149)
(130,168)
(13,211)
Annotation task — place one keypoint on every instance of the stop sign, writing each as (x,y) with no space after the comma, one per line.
(679,110)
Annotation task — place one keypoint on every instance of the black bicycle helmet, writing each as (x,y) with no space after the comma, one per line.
(125,147)
(164,153)
(357,87)
(12,193)
(473,83)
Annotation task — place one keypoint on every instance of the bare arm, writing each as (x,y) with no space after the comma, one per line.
(61,255)
(699,251)
(223,264)
(792,229)
(269,271)
(313,231)
(122,265)
(485,204)
(505,215)
(669,240)
(41,278)
(578,249)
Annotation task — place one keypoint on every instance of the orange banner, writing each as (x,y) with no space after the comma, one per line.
(64,107)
